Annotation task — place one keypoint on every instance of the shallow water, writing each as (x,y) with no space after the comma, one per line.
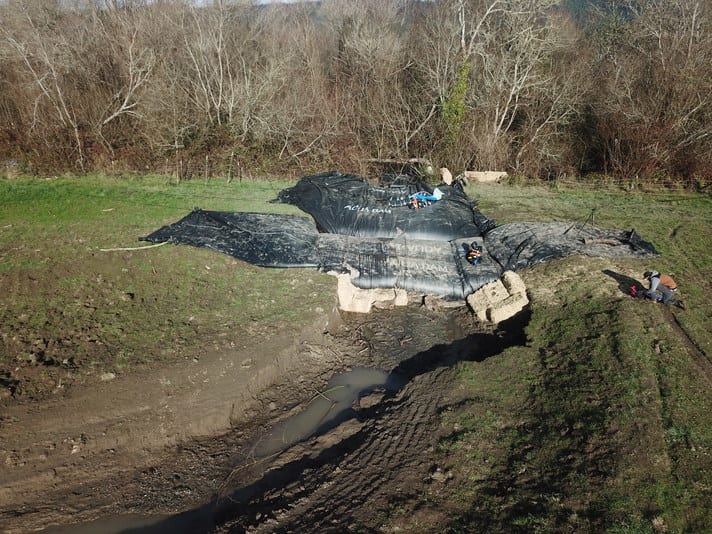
(438,345)
(327,408)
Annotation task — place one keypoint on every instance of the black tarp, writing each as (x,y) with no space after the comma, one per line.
(262,239)
(347,205)
(517,245)
(372,234)
(433,267)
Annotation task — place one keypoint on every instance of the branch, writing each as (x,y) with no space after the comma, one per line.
(133,248)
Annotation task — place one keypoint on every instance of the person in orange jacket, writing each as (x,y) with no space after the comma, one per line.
(662,288)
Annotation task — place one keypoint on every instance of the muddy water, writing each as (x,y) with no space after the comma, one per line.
(326,409)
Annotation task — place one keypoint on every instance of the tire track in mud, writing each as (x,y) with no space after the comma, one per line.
(340,480)
(346,484)
(348,475)
(697,353)
(397,443)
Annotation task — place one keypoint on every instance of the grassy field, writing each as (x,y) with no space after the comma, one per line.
(601,422)
(72,312)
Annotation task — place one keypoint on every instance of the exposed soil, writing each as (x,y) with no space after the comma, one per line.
(172,446)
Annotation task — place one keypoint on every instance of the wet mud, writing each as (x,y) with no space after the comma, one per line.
(347,479)
(335,460)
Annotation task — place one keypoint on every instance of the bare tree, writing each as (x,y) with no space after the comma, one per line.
(369,66)
(511,48)
(301,117)
(493,71)
(546,141)
(474,83)
(656,109)
(44,49)
(86,67)
(135,61)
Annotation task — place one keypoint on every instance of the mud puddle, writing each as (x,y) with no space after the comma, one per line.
(327,409)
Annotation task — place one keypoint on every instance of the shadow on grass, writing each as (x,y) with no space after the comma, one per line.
(624,282)
(558,453)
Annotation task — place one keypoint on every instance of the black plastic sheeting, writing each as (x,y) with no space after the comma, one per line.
(262,239)
(346,204)
(423,266)
(372,234)
(518,245)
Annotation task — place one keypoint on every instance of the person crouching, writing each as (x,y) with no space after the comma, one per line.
(662,288)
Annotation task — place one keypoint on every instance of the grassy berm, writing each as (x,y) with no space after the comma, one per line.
(601,422)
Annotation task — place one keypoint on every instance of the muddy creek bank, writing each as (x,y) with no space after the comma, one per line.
(325,448)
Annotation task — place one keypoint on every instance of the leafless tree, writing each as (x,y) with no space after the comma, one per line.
(135,61)
(84,68)
(655,114)
(497,84)
(301,118)
(45,50)
(368,69)
(513,49)
(493,69)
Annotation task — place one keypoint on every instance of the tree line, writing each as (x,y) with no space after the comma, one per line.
(539,88)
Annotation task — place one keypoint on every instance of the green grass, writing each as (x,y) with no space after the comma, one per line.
(679,225)
(602,422)
(83,311)
(98,211)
